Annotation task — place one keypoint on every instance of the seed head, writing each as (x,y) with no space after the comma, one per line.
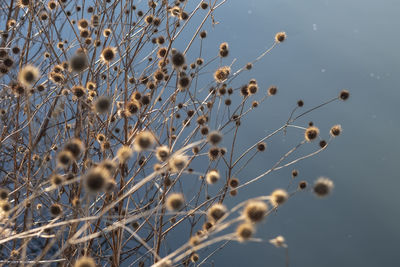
(162,153)
(311,133)
(4,194)
(28,75)
(177,162)
(102,104)
(278,197)
(323,186)
(216,212)
(143,140)
(245,231)
(175,201)
(55,209)
(178,59)
(96,179)
(214,137)
(280,37)
(64,158)
(108,54)
(336,130)
(78,62)
(56,179)
(233,182)
(124,153)
(85,262)
(222,74)
(212,177)
(344,95)
(255,211)
(75,146)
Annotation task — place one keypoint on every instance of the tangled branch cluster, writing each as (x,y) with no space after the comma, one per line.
(113,141)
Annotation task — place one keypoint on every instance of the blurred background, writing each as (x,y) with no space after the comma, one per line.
(331,45)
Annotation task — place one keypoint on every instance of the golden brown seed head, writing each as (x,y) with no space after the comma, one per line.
(255,211)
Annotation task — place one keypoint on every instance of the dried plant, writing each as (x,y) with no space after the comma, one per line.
(113,140)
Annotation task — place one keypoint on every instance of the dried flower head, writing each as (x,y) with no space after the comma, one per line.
(216,212)
(124,153)
(278,197)
(175,201)
(108,54)
(143,140)
(214,137)
(280,37)
(221,74)
(245,231)
(162,153)
(75,146)
(212,177)
(323,186)
(28,75)
(102,104)
(311,133)
(85,261)
(255,211)
(95,179)
(336,130)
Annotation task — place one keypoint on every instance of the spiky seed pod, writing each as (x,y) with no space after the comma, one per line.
(216,212)
(322,143)
(75,146)
(183,83)
(109,165)
(108,54)
(56,179)
(344,95)
(255,211)
(214,137)
(96,179)
(124,153)
(78,90)
(214,153)
(280,37)
(302,185)
(28,75)
(245,231)
(85,262)
(64,158)
(336,130)
(143,140)
(78,62)
(107,32)
(221,74)
(83,24)
(5,206)
(133,106)
(178,59)
(252,88)
(4,194)
(177,162)
(311,133)
(204,5)
(233,182)
(212,177)
(175,201)
(323,186)
(278,197)
(102,104)
(261,146)
(55,209)
(272,90)
(162,153)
